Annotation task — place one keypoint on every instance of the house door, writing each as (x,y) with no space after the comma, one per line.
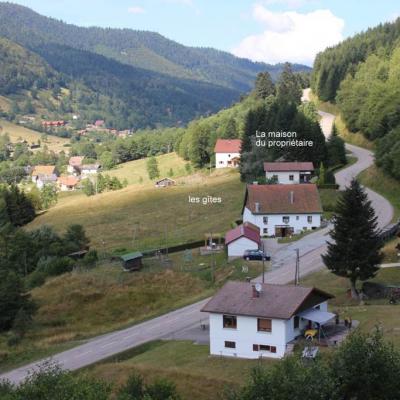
(283,231)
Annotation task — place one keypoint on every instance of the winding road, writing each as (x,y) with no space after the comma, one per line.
(311,247)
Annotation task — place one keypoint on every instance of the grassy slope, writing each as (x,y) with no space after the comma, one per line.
(196,374)
(16,132)
(83,304)
(133,171)
(110,218)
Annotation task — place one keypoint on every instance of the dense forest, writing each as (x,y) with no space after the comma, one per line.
(130,79)
(363,76)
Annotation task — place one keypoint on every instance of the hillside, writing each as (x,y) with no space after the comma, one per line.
(145,50)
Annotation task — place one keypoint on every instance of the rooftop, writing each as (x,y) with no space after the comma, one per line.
(244,230)
(274,301)
(283,199)
(228,146)
(288,166)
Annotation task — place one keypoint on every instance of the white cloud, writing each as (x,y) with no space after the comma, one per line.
(290,36)
(136,10)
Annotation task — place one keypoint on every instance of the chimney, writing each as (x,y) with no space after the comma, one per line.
(257,207)
(291,197)
(255,292)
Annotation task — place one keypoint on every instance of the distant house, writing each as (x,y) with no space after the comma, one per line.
(75,164)
(227,153)
(99,123)
(43,180)
(47,124)
(289,172)
(243,237)
(282,210)
(90,169)
(165,182)
(67,183)
(132,261)
(43,175)
(253,321)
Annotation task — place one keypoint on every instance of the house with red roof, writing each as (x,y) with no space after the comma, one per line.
(227,153)
(282,210)
(288,172)
(67,183)
(243,237)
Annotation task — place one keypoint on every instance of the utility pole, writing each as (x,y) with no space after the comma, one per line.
(263,262)
(297,271)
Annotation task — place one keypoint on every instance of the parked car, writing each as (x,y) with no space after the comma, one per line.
(250,255)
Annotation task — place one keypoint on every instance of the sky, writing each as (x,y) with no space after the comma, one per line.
(263,30)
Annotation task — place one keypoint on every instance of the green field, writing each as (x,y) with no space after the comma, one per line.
(144,217)
(17,132)
(196,374)
(87,303)
(135,172)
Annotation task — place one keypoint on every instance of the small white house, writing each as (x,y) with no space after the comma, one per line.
(243,237)
(227,153)
(90,169)
(282,210)
(259,320)
(289,172)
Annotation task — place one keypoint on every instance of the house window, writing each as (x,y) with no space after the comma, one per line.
(221,162)
(296,322)
(229,321)
(265,220)
(265,230)
(297,217)
(264,347)
(286,219)
(230,345)
(275,177)
(309,219)
(264,325)
(229,156)
(256,347)
(291,177)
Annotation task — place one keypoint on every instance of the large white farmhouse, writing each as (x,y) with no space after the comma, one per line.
(227,153)
(282,210)
(289,172)
(252,321)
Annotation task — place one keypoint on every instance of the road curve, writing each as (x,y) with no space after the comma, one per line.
(311,247)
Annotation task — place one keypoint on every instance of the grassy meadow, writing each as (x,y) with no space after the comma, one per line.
(87,303)
(17,132)
(196,374)
(144,217)
(135,172)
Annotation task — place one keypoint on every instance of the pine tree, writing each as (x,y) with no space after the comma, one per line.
(152,168)
(354,251)
(288,88)
(264,86)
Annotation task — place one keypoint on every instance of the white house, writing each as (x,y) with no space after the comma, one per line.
(289,172)
(243,237)
(252,321)
(75,164)
(90,169)
(282,210)
(227,153)
(43,175)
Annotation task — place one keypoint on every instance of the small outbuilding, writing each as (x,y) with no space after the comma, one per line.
(132,261)
(243,237)
(165,182)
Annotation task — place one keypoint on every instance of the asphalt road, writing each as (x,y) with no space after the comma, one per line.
(283,264)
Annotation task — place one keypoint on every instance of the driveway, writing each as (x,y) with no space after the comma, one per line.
(172,324)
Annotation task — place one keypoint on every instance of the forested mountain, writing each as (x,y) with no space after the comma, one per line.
(363,76)
(142,49)
(332,65)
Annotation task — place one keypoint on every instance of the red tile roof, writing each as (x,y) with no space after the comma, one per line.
(228,146)
(288,166)
(274,301)
(277,199)
(68,180)
(43,170)
(76,161)
(242,231)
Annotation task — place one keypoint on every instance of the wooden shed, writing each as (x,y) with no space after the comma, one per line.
(165,182)
(132,261)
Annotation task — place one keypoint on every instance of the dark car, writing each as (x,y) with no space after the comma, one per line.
(250,255)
